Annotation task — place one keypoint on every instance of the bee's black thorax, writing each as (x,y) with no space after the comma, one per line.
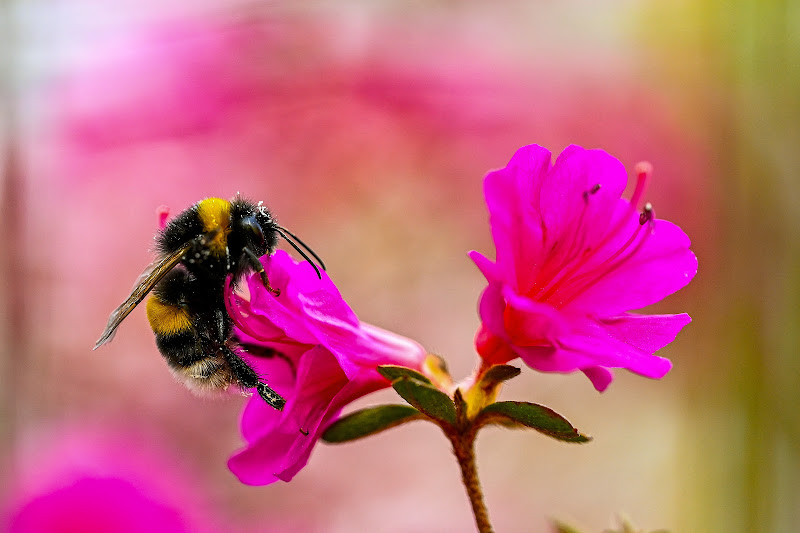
(219,232)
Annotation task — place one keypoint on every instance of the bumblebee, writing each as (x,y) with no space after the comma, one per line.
(196,252)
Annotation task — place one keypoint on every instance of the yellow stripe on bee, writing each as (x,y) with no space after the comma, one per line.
(215,215)
(166,319)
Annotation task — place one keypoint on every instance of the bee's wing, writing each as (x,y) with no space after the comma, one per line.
(152,275)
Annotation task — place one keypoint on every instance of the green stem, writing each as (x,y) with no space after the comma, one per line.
(464,450)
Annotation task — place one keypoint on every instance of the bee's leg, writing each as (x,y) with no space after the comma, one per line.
(248,379)
(224,325)
(265,352)
(269,395)
(255,262)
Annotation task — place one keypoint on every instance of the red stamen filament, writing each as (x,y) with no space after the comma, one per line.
(574,251)
(615,261)
(584,254)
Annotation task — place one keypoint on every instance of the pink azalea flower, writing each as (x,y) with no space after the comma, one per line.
(572,259)
(314,351)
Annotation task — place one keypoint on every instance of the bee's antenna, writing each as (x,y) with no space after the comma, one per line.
(281,230)
(304,245)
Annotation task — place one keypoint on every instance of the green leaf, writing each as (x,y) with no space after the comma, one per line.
(500,373)
(534,416)
(427,398)
(369,421)
(395,372)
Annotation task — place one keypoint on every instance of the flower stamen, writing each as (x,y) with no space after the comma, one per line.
(647,214)
(644,171)
(575,252)
(593,190)
(617,259)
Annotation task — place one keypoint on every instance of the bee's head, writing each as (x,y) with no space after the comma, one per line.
(254,228)
(257,231)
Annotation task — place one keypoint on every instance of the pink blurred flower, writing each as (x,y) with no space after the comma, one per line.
(315,353)
(97,505)
(80,479)
(572,259)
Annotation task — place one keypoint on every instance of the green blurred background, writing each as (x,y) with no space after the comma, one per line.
(367,127)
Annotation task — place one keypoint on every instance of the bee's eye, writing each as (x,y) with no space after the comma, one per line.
(253,230)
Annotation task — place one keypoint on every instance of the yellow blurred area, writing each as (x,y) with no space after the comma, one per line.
(367,128)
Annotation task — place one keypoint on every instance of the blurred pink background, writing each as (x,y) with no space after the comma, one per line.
(367,127)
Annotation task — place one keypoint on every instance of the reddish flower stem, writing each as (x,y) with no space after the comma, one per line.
(464,450)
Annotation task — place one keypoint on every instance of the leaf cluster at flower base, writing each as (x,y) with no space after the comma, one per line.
(460,415)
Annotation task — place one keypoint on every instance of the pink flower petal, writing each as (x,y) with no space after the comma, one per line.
(390,348)
(662,266)
(606,350)
(590,344)
(648,333)
(554,358)
(487,267)
(492,308)
(259,463)
(492,348)
(512,198)
(530,323)
(601,377)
